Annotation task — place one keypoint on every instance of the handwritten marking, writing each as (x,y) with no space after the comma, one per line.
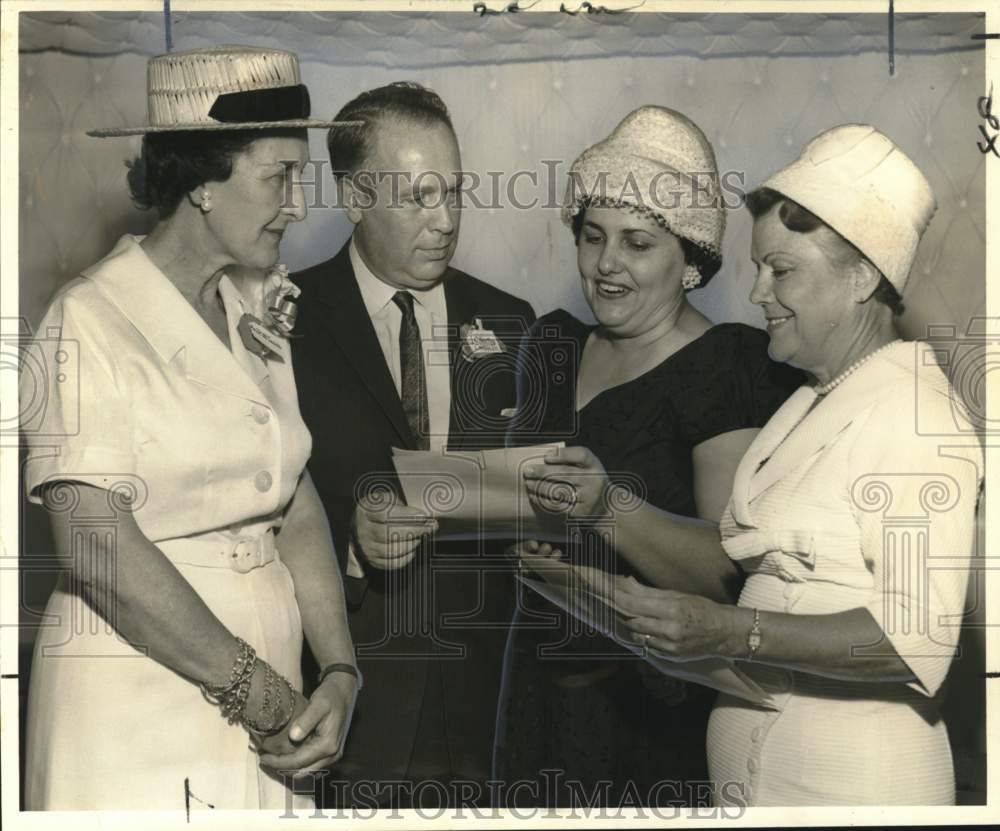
(482,9)
(590,8)
(892,37)
(985,107)
(991,675)
(168,35)
(990,36)
(9,675)
(188,796)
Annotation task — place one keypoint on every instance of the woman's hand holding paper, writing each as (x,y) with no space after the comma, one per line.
(572,482)
(678,626)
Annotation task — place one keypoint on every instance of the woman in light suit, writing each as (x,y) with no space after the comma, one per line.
(838,508)
(170,455)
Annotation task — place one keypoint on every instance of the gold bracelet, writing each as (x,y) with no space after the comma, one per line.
(278,720)
(231,696)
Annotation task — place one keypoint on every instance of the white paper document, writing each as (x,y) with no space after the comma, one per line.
(558,583)
(475,493)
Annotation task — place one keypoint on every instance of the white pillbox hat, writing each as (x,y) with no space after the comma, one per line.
(862,185)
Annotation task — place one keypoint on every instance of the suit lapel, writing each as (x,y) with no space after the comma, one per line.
(460,310)
(761,449)
(800,437)
(171,325)
(347,322)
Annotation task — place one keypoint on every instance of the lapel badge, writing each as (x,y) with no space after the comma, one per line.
(478,342)
(257,338)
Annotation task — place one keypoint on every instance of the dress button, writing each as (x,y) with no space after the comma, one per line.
(752,766)
(260,415)
(756,734)
(262,481)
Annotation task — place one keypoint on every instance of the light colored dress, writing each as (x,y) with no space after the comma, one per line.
(867,500)
(137,395)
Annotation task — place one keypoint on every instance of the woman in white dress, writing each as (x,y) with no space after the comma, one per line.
(838,510)
(170,456)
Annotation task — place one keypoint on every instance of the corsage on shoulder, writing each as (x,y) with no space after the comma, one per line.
(478,342)
(274,312)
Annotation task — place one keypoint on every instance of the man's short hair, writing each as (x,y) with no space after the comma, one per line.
(350,146)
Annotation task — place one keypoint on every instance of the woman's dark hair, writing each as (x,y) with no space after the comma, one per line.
(796,218)
(705,261)
(351,145)
(170,165)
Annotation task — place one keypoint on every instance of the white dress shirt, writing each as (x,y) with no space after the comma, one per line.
(431,312)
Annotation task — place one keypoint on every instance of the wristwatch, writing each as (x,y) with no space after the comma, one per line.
(753,636)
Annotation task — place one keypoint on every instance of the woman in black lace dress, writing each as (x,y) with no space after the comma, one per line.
(669,403)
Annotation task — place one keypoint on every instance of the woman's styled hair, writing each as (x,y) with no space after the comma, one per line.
(172,164)
(796,218)
(351,145)
(694,254)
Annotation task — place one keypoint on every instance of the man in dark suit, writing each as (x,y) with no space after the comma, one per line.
(391,356)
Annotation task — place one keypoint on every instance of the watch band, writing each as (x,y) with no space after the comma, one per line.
(348,669)
(754,636)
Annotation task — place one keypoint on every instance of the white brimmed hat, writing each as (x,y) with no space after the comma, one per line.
(223,88)
(659,162)
(862,185)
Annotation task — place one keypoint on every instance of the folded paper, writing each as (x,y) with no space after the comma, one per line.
(558,583)
(476,493)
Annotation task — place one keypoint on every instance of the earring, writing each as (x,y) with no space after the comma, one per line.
(691,278)
(206,201)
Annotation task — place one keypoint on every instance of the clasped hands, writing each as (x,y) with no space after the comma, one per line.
(314,737)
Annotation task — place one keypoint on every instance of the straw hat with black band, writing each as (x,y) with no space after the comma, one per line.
(229,87)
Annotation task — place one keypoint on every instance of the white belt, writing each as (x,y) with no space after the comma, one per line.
(242,554)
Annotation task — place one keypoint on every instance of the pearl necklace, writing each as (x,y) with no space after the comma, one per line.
(823,389)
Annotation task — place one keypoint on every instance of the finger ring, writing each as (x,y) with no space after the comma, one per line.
(645,640)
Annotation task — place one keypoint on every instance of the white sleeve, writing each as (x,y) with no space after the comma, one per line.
(914,497)
(74,413)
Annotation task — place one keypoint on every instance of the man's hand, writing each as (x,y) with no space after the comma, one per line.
(389,533)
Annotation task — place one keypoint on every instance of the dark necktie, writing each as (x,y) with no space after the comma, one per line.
(413,389)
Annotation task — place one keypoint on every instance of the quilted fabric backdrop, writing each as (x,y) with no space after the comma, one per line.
(529,92)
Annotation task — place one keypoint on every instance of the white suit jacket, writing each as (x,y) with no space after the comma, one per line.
(866,500)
